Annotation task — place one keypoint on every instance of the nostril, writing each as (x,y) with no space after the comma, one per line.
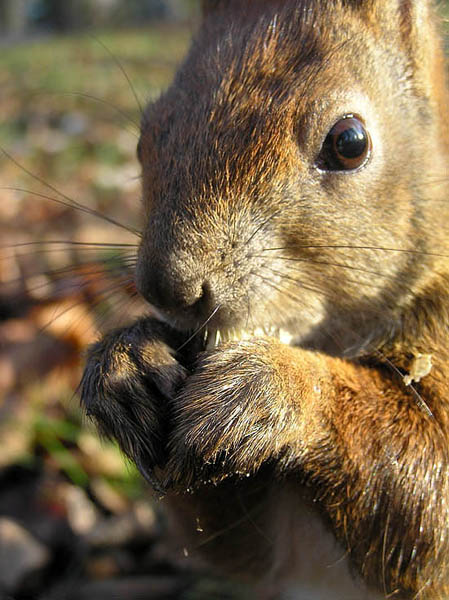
(206,299)
(203,303)
(179,292)
(187,294)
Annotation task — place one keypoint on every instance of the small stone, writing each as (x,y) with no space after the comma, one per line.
(119,530)
(104,566)
(81,512)
(108,497)
(20,554)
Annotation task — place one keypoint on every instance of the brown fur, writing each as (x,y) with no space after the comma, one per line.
(242,231)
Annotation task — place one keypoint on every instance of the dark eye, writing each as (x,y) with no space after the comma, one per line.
(347,146)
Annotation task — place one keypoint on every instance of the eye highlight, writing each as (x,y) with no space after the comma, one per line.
(347,146)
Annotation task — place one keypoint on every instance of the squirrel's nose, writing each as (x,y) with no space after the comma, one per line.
(175,291)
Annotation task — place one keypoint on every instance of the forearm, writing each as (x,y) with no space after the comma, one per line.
(373,459)
(377,463)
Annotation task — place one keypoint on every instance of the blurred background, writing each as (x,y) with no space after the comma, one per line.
(22,18)
(76,520)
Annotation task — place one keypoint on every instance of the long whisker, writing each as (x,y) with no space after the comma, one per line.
(302,284)
(289,293)
(354,247)
(419,399)
(85,245)
(119,111)
(106,294)
(82,301)
(359,283)
(200,328)
(362,284)
(67,201)
(236,523)
(110,264)
(331,264)
(80,252)
(122,69)
(74,285)
(119,306)
(260,226)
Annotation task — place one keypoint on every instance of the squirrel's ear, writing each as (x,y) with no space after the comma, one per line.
(420,39)
(417,33)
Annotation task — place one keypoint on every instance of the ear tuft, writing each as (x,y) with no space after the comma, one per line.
(418,31)
(414,24)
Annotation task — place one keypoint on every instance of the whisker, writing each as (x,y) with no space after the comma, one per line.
(99,324)
(236,523)
(354,281)
(74,285)
(52,251)
(290,294)
(81,302)
(303,285)
(362,284)
(197,331)
(67,201)
(119,308)
(85,245)
(252,521)
(260,226)
(81,268)
(122,69)
(418,398)
(353,247)
(119,111)
(365,284)
(331,264)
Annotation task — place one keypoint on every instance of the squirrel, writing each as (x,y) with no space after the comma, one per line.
(289,390)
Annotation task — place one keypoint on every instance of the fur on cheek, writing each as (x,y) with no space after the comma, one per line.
(231,415)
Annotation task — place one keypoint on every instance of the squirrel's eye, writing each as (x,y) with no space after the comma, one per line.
(347,146)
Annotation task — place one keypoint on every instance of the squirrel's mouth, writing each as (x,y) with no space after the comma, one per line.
(215,337)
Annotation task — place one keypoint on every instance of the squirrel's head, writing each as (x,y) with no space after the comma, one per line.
(292,170)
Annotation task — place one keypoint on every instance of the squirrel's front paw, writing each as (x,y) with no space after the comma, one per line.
(230,416)
(130,377)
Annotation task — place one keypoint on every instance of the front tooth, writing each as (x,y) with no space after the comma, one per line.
(213,340)
(285,337)
(237,335)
